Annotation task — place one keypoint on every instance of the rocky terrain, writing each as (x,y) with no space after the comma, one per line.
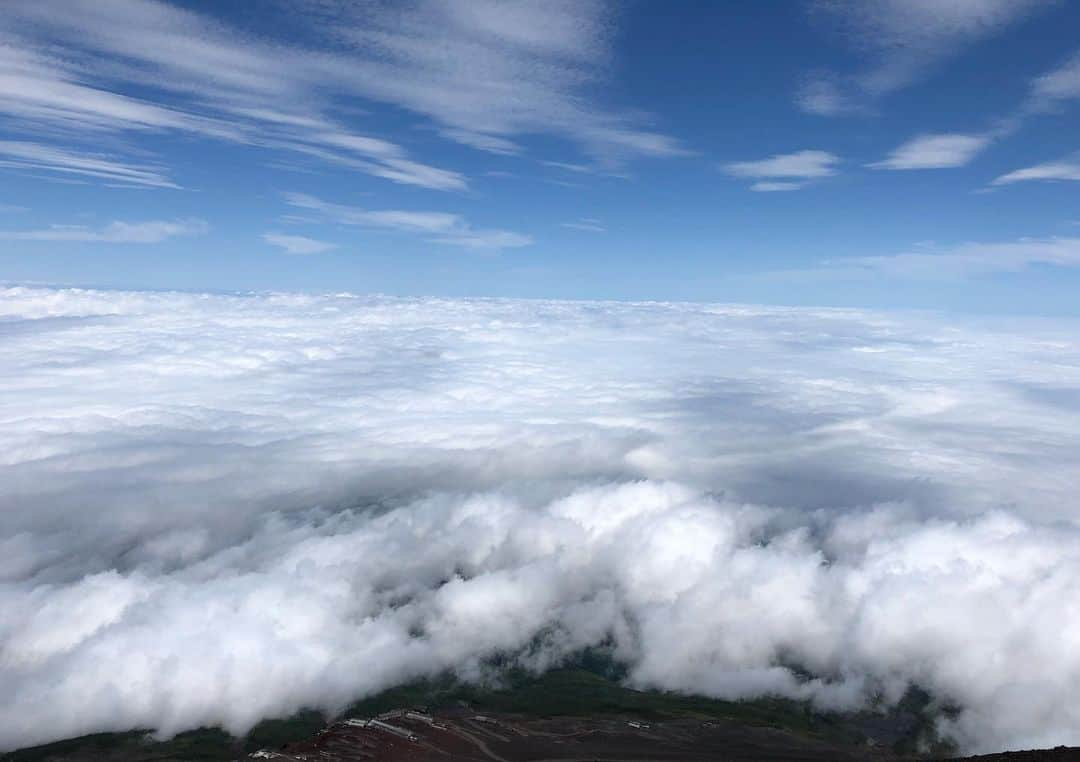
(569,715)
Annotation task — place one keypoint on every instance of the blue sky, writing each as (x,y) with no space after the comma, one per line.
(878,153)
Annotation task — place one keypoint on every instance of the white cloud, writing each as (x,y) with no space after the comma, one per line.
(27,156)
(194,75)
(487,71)
(901,41)
(802,164)
(935,152)
(482,142)
(312,498)
(298,244)
(438,227)
(1063,169)
(772,186)
(785,172)
(968,259)
(586,224)
(481,72)
(154,231)
(822,97)
(1058,85)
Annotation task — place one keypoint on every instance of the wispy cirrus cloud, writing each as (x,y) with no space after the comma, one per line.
(193,74)
(777,186)
(488,71)
(935,152)
(585,224)
(436,227)
(900,42)
(1046,93)
(298,244)
(965,260)
(1062,169)
(483,73)
(30,156)
(153,231)
(1057,85)
(784,172)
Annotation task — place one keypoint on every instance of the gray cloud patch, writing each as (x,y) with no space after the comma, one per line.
(216,509)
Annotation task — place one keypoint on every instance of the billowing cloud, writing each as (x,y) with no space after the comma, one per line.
(298,244)
(154,231)
(311,498)
(438,227)
(935,152)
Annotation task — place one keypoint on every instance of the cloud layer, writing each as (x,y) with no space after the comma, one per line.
(221,508)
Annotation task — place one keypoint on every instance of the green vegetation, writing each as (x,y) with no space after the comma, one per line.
(202,745)
(586,689)
(581,693)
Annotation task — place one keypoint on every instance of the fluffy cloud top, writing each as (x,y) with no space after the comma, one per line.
(221,508)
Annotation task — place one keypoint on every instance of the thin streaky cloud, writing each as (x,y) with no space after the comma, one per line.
(966,260)
(900,43)
(935,152)
(784,172)
(585,224)
(194,76)
(480,72)
(1057,85)
(801,164)
(437,227)
(487,72)
(154,231)
(298,244)
(25,155)
(776,186)
(949,150)
(1067,169)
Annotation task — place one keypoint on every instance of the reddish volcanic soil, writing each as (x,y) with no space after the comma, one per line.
(477,738)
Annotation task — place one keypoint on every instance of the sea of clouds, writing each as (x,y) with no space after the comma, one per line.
(216,509)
